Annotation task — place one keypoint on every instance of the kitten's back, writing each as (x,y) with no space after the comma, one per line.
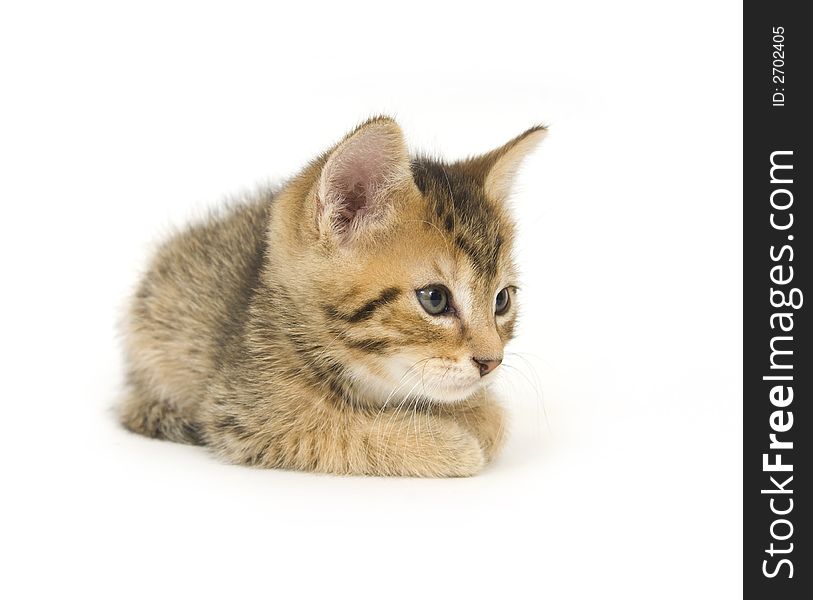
(191,301)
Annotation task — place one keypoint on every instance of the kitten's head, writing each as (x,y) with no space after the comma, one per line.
(409,265)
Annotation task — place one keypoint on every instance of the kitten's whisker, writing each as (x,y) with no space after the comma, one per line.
(384,423)
(395,389)
(426,410)
(414,417)
(539,387)
(537,395)
(392,417)
(400,384)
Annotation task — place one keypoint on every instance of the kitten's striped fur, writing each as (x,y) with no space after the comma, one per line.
(287,332)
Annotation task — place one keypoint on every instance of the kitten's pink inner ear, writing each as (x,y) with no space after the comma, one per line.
(358,175)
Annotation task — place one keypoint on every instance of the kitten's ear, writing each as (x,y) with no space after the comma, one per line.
(359,177)
(497,169)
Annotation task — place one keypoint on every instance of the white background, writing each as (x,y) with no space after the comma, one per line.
(622,475)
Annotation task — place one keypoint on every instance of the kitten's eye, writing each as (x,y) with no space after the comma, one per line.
(503,302)
(434,299)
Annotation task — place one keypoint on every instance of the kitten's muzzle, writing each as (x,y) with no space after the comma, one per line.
(486,365)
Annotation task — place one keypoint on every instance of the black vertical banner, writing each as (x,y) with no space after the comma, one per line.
(778,369)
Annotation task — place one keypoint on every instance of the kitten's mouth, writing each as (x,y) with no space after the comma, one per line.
(455,392)
(442,383)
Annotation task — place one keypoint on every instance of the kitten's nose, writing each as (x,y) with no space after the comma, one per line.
(487,364)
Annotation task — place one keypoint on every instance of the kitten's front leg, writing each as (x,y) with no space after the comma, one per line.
(485,418)
(353,442)
(420,444)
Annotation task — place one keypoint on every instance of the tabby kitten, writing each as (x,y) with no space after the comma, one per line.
(347,323)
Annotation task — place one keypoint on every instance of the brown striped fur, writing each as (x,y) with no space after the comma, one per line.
(286,331)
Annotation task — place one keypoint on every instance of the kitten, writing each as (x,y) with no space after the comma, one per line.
(347,323)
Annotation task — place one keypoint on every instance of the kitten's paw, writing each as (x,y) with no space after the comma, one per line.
(469,457)
(486,421)
(455,453)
